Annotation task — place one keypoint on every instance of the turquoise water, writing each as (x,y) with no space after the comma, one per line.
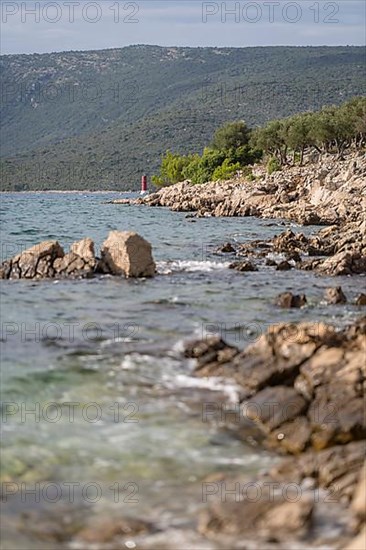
(111,348)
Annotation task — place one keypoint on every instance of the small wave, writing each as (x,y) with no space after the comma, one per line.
(189,266)
(226,386)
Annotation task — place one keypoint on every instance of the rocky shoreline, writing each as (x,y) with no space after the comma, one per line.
(326,190)
(303,385)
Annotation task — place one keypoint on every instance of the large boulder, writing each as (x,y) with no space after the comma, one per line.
(34,263)
(127,253)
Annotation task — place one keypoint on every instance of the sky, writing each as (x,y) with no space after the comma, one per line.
(46,26)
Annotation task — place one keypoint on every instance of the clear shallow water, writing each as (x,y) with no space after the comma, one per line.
(115,344)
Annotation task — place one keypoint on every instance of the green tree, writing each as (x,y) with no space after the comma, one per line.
(298,135)
(171,170)
(231,136)
(201,168)
(271,140)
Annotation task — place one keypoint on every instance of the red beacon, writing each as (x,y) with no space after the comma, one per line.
(143,185)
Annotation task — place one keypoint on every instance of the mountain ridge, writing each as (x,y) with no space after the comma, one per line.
(85,109)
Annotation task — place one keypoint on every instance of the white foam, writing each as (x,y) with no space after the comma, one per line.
(229,388)
(189,266)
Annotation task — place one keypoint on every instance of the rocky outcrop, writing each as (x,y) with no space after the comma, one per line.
(359,500)
(123,253)
(303,385)
(330,191)
(35,263)
(327,191)
(332,251)
(79,262)
(126,253)
(310,373)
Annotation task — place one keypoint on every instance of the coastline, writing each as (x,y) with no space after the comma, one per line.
(304,381)
(319,374)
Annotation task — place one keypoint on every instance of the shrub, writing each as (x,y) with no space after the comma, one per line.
(273,165)
(225,171)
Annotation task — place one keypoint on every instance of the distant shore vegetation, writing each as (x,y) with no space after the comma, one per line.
(235,147)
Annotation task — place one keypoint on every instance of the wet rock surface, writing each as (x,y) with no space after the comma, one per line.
(123,253)
(289,300)
(335,295)
(361,300)
(243,266)
(304,388)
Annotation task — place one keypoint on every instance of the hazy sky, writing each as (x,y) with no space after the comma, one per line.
(46,26)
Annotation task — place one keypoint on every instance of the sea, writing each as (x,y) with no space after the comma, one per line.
(102,416)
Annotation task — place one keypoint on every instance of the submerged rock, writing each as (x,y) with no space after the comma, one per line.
(107,530)
(284,266)
(289,300)
(269,514)
(226,248)
(243,266)
(335,295)
(361,300)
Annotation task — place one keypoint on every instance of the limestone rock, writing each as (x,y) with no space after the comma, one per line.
(226,248)
(80,261)
(293,437)
(359,542)
(289,300)
(126,253)
(335,295)
(361,300)
(34,263)
(337,468)
(274,406)
(344,263)
(278,354)
(84,249)
(359,498)
(212,355)
(284,266)
(243,266)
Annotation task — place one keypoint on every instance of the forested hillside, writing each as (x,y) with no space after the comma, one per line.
(98,119)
